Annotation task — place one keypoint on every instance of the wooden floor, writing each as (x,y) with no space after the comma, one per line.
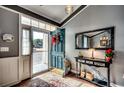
(25,83)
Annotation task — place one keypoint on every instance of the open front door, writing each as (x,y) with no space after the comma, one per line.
(39,51)
(58,48)
(34,51)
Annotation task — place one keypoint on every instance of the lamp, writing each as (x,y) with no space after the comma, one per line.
(92,50)
(69,9)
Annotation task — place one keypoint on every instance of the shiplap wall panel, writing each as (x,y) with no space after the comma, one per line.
(8,71)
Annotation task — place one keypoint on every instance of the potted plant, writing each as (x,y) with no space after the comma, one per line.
(108,55)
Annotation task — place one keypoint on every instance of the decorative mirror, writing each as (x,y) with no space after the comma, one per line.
(97,39)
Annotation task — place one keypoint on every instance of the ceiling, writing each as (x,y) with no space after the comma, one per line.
(52,12)
(93,33)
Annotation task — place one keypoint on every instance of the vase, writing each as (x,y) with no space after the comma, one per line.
(108,59)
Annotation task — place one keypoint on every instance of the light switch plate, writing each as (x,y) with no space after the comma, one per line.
(4,49)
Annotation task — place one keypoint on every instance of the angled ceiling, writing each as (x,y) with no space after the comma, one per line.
(93,33)
(54,14)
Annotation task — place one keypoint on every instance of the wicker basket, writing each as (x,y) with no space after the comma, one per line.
(89,76)
(82,74)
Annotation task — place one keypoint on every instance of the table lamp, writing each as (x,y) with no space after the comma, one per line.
(92,50)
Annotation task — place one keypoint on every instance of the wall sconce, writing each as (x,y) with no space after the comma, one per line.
(103,41)
(92,50)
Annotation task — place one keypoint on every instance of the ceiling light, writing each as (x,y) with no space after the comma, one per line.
(69,9)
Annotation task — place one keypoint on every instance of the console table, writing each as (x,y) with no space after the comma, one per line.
(93,62)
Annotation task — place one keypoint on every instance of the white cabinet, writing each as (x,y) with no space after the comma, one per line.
(8,71)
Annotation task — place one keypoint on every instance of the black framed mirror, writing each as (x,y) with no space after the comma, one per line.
(98,39)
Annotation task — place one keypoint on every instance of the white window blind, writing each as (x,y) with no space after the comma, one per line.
(48,27)
(42,25)
(25,42)
(53,28)
(25,20)
(37,23)
(34,23)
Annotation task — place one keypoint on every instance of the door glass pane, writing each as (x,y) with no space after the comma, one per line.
(40,52)
(25,42)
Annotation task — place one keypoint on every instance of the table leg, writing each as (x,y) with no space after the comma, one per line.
(76,69)
(80,69)
(108,76)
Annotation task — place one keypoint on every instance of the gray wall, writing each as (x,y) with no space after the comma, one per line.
(95,17)
(9,24)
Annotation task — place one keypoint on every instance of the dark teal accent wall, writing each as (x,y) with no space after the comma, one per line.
(9,24)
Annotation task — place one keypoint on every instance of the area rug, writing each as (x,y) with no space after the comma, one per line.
(38,83)
(56,80)
(52,79)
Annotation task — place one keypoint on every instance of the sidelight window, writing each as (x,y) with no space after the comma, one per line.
(25,42)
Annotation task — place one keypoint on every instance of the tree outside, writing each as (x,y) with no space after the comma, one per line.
(38,43)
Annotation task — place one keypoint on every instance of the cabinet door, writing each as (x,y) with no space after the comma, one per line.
(8,71)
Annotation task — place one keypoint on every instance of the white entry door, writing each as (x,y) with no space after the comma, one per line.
(39,51)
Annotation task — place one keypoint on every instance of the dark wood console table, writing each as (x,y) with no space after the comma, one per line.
(93,62)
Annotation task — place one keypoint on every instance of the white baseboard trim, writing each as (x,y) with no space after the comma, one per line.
(9,85)
(115,85)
